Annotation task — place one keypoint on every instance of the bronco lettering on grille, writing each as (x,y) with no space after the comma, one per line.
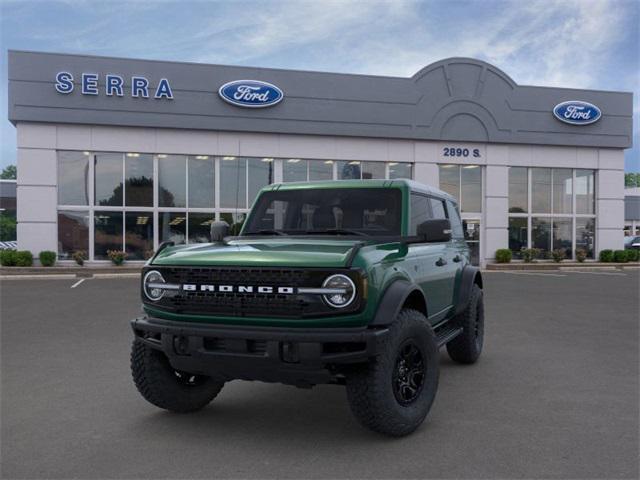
(192,287)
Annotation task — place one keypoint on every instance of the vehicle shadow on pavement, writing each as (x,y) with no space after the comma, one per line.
(246,409)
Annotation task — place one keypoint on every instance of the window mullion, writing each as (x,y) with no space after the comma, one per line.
(92,180)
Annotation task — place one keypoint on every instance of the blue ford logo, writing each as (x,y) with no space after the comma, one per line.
(576,112)
(250,93)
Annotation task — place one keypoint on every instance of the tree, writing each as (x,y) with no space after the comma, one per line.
(632,180)
(7,227)
(9,173)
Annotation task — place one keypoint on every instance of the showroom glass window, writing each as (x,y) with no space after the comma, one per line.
(202,180)
(464,182)
(139,235)
(320,170)
(138,178)
(295,170)
(134,201)
(73,178)
(108,233)
(400,170)
(172,181)
(260,175)
(73,233)
(233,182)
(518,190)
(109,177)
(298,170)
(172,227)
(551,209)
(585,192)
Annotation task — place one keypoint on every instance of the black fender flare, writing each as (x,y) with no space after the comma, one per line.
(470,275)
(392,301)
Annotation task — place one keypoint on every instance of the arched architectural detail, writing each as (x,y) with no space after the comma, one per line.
(447,63)
(465,120)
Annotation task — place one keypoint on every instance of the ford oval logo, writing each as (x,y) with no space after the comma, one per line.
(250,93)
(577,112)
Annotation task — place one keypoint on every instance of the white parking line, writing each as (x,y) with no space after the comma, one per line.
(78,283)
(534,273)
(599,273)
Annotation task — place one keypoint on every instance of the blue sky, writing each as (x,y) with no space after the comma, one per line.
(569,43)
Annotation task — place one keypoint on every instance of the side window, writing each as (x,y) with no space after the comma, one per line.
(437,207)
(456,223)
(420,211)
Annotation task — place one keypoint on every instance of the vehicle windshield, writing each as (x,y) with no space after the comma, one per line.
(327,211)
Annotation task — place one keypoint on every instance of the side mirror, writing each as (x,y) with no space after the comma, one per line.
(219,230)
(435,230)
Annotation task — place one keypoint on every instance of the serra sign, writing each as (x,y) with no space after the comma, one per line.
(113,85)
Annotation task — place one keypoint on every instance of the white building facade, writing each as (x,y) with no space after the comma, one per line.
(115,171)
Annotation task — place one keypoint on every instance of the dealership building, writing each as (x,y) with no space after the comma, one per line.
(124,154)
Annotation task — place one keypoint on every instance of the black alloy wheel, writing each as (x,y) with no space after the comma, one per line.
(409,373)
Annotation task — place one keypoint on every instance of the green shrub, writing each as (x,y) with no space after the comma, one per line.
(47,258)
(606,256)
(24,258)
(117,256)
(503,255)
(633,255)
(558,255)
(7,258)
(581,254)
(79,256)
(620,256)
(529,254)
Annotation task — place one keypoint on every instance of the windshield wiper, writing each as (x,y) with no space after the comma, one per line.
(338,231)
(266,232)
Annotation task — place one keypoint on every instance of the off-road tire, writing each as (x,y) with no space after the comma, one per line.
(467,347)
(371,388)
(161,385)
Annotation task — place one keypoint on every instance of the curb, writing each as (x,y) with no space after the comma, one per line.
(560,266)
(69,276)
(76,272)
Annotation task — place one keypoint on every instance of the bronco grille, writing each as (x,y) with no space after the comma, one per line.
(236,304)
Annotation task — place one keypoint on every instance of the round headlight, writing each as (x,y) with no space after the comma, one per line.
(345,291)
(150,285)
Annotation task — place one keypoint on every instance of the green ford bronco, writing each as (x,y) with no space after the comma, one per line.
(356,283)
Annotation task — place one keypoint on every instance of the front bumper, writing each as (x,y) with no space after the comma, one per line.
(294,356)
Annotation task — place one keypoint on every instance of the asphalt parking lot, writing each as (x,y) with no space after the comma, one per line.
(555,395)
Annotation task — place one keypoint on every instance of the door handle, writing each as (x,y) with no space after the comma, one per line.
(457,258)
(441,262)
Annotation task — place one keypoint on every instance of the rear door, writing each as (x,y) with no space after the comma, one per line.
(448,262)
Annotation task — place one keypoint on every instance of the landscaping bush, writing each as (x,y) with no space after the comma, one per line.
(503,255)
(7,258)
(581,254)
(24,258)
(606,256)
(79,256)
(47,258)
(530,254)
(620,256)
(117,256)
(558,255)
(633,255)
